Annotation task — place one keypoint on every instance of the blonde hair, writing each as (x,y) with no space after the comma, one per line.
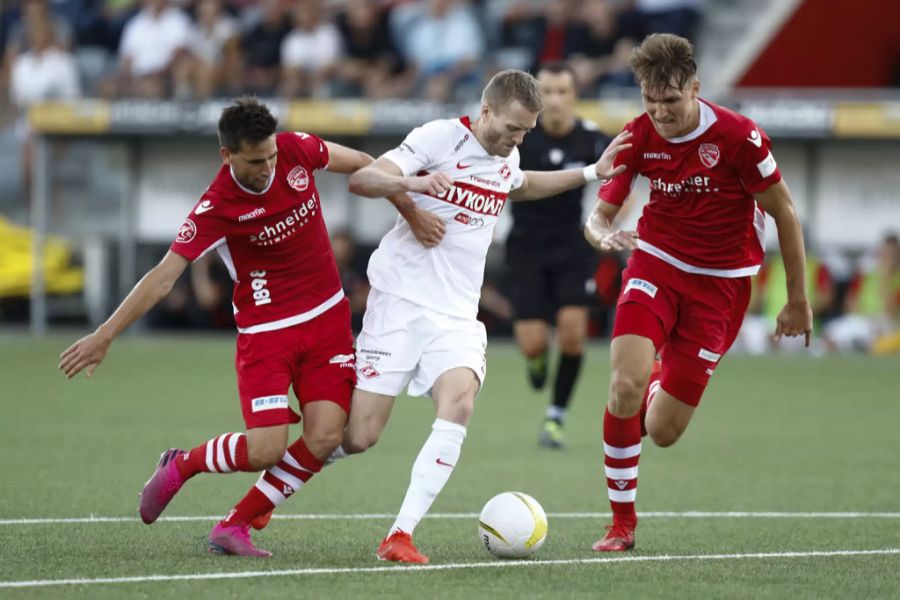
(663,60)
(512,84)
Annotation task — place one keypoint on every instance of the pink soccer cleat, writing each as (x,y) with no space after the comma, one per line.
(235,540)
(161,487)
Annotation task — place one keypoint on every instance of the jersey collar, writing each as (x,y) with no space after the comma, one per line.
(707,118)
(249,191)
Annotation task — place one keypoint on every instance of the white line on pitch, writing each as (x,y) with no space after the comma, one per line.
(446,567)
(572,515)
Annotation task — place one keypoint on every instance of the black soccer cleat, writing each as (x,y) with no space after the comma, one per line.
(537,370)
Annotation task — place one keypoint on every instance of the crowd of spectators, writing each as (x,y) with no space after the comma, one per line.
(434,49)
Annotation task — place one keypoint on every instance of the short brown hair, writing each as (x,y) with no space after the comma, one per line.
(512,84)
(663,60)
(246,121)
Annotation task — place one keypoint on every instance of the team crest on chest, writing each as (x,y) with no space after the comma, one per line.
(709,155)
(298,179)
(505,172)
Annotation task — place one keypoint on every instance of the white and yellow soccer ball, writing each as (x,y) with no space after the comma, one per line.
(512,525)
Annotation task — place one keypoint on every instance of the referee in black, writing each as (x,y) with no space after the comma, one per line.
(549,264)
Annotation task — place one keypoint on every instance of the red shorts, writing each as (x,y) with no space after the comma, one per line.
(315,357)
(700,316)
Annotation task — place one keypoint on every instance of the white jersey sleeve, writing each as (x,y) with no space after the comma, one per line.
(518,176)
(424,147)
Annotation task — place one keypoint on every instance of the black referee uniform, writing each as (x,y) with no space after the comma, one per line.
(549,263)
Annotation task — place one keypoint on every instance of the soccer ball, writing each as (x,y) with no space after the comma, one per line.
(512,525)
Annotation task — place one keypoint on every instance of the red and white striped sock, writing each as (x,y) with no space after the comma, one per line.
(622,448)
(277,484)
(224,454)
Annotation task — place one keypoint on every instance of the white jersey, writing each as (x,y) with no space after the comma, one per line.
(446,278)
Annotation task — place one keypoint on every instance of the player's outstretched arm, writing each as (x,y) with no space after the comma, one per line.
(543,184)
(601,234)
(89,351)
(796,316)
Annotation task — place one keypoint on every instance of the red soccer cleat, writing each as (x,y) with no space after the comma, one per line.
(161,487)
(261,521)
(619,538)
(399,547)
(234,539)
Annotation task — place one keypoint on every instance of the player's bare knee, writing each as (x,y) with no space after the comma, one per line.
(263,456)
(461,407)
(323,442)
(663,435)
(625,395)
(357,442)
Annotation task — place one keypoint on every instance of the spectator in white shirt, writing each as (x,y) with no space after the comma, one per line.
(215,49)
(443,39)
(310,52)
(152,51)
(43,72)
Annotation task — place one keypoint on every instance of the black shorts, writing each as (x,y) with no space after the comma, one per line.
(544,274)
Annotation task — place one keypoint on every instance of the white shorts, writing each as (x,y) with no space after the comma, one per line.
(405,343)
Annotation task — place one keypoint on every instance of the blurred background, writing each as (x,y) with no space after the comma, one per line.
(108,113)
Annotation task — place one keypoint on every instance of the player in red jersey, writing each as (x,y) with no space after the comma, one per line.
(263,215)
(687,284)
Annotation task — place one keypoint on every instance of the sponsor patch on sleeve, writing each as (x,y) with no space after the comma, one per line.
(641,285)
(767,165)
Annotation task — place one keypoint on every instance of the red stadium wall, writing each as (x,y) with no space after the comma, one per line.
(832,43)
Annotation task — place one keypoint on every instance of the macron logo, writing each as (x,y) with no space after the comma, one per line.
(755,139)
(206,205)
(256,212)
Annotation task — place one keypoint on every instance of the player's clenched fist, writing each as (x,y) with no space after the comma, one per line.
(602,238)
(428,228)
(604,166)
(433,184)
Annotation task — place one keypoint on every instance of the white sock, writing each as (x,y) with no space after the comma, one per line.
(430,473)
(338,454)
(556,413)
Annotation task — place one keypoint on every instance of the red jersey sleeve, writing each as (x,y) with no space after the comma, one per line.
(616,190)
(309,149)
(200,233)
(753,159)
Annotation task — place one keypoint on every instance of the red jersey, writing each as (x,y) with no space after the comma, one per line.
(702,217)
(274,243)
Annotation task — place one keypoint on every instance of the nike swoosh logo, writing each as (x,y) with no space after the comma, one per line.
(206,205)
(755,139)
(443,464)
(461,166)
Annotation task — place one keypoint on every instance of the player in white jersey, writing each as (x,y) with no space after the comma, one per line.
(420,327)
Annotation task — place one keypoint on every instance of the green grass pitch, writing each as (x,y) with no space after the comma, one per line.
(787,434)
